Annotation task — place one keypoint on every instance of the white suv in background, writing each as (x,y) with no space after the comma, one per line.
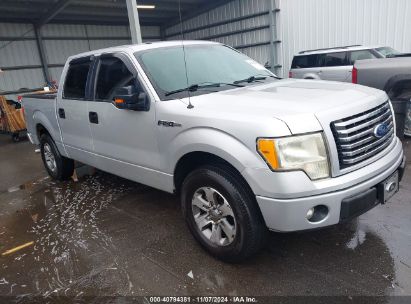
(334,63)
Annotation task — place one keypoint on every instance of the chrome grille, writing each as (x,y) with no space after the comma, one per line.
(355,135)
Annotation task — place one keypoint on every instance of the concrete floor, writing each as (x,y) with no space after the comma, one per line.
(104,235)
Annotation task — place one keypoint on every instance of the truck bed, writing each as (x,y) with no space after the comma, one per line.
(376,73)
(47,95)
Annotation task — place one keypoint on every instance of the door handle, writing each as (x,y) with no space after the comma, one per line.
(62,113)
(93,117)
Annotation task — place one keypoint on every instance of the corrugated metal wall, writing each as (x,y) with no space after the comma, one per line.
(251,34)
(18,53)
(19,56)
(310,24)
(303,24)
(244,24)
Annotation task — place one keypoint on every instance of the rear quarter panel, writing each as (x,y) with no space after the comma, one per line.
(41,110)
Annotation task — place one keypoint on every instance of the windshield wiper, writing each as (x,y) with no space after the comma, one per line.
(196,87)
(255,78)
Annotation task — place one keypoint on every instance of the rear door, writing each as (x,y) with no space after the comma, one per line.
(125,141)
(335,66)
(72,107)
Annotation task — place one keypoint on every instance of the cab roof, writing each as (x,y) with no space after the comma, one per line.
(142,47)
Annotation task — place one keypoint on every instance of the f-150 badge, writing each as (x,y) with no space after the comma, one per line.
(166,123)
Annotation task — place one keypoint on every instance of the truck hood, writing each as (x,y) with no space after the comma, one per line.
(304,105)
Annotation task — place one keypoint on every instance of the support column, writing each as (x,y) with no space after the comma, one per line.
(134,21)
(163,36)
(273,36)
(42,53)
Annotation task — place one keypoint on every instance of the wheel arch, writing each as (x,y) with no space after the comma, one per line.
(42,125)
(192,160)
(201,145)
(395,82)
(40,130)
(311,76)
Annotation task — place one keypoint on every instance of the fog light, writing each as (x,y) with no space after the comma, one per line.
(310,213)
(317,213)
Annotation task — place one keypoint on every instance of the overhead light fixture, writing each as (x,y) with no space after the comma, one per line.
(146,6)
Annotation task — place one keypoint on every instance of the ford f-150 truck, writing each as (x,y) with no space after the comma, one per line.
(247,151)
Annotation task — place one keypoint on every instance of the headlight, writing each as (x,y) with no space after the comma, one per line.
(302,152)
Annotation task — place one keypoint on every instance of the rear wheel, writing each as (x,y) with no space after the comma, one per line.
(222,214)
(15,137)
(57,166)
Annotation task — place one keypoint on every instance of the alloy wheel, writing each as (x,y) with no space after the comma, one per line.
(214,216)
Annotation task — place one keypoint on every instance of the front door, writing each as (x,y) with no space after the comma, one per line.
(124,140)
(72,110)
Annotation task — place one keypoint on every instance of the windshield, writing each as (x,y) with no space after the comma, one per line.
(206,64)
(387,51)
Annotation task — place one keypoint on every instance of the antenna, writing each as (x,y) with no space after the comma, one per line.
(190,106)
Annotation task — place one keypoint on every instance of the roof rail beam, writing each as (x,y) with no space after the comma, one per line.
(331,48)
(52,12)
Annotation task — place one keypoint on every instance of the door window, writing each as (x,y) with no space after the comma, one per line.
(113,74)
(361,55)
(306,61)
(334,59)
(76,80)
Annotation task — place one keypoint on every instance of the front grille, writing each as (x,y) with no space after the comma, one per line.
(355,135)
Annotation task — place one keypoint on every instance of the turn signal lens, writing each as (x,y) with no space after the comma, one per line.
(266,147)
(119,101)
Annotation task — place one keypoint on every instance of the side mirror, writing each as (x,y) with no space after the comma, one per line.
(127,98)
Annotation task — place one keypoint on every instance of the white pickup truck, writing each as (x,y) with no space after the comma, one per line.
(246,151)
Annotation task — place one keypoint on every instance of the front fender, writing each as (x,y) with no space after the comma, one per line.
(216,142)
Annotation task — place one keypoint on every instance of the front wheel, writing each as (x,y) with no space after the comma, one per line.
(222,214)
(57,166)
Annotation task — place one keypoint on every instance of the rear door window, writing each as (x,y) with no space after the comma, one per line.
(305,61)
(334,59)
(76,79)
(361,55)
(112,74)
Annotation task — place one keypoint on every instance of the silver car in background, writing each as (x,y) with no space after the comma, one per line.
(334,63)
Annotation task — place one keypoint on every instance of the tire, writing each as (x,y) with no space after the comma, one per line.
(57,166)
(243,217)
(15,137)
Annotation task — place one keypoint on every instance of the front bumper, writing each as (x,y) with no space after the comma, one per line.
(289,214)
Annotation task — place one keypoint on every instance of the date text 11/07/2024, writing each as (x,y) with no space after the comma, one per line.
(202,299)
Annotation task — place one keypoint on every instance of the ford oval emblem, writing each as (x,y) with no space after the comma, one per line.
(381,130)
